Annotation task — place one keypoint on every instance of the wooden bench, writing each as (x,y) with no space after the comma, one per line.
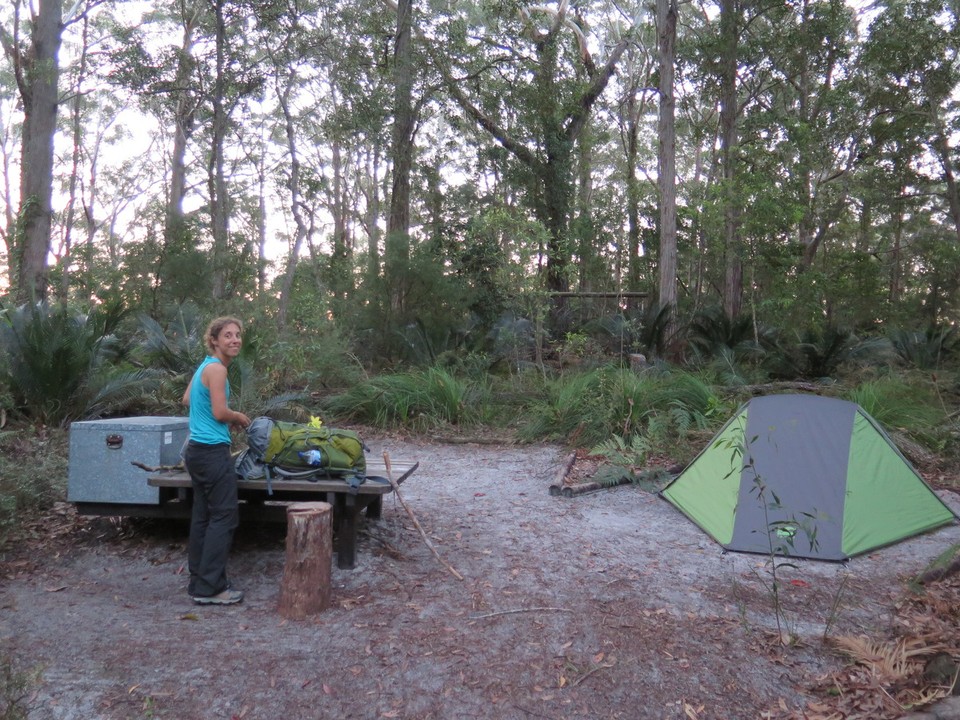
(347,502)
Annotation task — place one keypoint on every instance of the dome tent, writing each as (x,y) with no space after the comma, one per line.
(808,477)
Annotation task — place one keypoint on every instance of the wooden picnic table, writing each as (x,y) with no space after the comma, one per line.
(347,502)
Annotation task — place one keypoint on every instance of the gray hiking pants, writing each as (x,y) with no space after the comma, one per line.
(216,515)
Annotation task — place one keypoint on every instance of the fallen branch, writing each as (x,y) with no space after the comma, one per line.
(159,468)
(518,611)
(570,490)
(557,485)
(416,523)
(588,674)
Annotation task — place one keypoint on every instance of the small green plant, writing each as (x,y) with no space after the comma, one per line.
(630,452)
(780,534)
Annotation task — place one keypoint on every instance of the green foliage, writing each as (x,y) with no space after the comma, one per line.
(514,341)
(591,407)
(911,407)
(417,399)
(631,451)
(177,345)
(58,363)
(711,332)
(822,352)
(927,350)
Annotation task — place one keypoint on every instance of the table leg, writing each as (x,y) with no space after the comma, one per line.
(347,535)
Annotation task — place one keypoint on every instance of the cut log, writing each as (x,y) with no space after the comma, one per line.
(305,588)
(580,489)
(558,483)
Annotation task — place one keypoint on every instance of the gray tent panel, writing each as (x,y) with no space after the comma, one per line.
(794,476)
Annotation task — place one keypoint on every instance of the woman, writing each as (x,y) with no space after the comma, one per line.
(216,512)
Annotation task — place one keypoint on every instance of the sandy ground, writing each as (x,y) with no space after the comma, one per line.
(607,605)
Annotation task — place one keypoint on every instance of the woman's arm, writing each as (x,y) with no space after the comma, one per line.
(214,376)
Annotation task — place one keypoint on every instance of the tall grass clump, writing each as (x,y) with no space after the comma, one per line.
(417,399)
(573,405)
(913,408)
(589,408)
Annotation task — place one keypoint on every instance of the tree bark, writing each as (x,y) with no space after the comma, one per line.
(733,275)
(305,587)
(219,200)
(397,251)
(76,124)
(297,206)
(667,27)
(37,72)
(183,118)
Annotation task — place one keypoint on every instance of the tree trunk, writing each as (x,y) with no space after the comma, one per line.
(219,200)
(37,71)
(182,130)
(373,214)
(942,147)
(77,130)
(896,269)
(305,587)
(341,257)
(584,225)
(397,251)
(302,229)
(733,274)
(633,193)
(667,26)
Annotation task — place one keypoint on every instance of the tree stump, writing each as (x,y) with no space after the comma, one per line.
(305,588)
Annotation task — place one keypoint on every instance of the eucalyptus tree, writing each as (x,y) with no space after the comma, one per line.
(910,94)
(32,46)
(96,134)
(667,11)
(401,153)
(913,84)
(528,77)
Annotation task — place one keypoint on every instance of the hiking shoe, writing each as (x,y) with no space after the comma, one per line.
(227,597)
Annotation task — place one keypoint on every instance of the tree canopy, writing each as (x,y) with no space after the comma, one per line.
(449,170)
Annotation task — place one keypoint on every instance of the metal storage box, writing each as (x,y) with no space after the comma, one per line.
(101,452)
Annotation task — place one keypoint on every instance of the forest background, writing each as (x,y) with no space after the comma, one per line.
(605,222)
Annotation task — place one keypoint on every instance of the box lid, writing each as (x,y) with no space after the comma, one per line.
(159,423)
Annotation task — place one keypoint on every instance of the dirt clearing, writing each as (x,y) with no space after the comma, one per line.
(607,605)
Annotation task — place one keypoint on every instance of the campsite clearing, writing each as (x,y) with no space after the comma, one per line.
(607,605)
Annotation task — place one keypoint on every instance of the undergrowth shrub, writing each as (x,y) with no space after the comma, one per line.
(588,408)
(33,474)
(908,405)
(417,399)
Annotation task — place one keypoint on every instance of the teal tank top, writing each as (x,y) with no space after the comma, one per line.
(204,427)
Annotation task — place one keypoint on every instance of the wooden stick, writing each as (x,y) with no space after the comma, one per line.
(416,523)
(557,485)
(519,610)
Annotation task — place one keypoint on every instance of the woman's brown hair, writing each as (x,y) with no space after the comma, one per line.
(216,326)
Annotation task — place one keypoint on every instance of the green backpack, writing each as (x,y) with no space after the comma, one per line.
(276,448)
